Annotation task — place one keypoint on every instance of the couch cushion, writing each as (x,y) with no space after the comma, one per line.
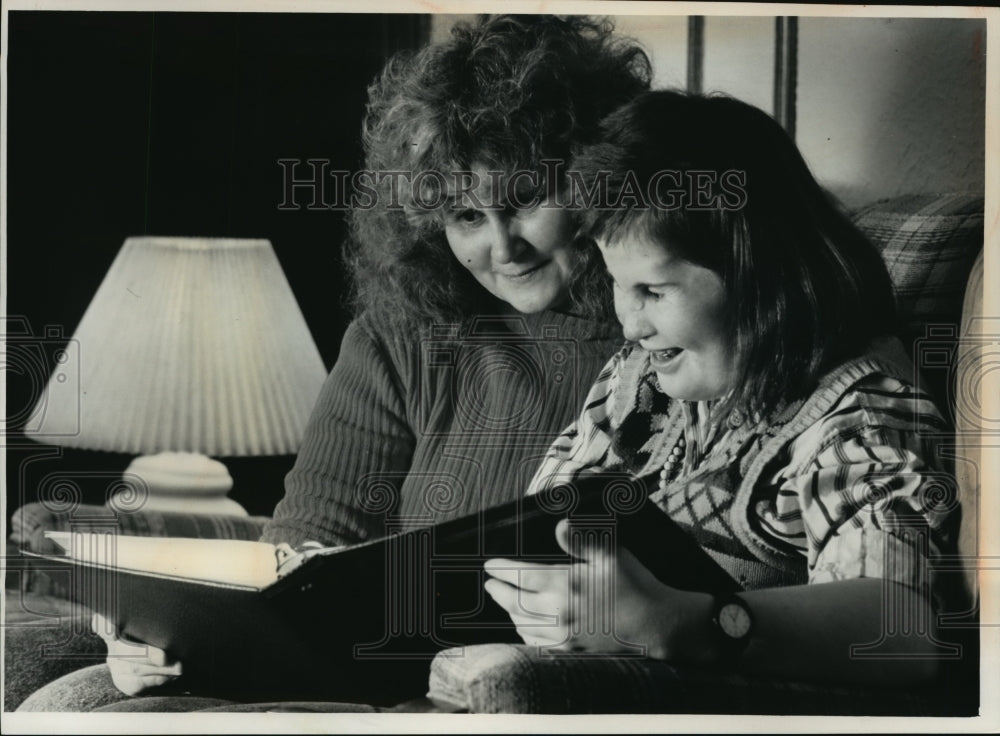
(508,678)
(40,646)
(929,243)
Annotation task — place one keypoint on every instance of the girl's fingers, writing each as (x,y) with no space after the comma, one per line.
(517,601)
(529,576)
(537,618)
(502,592)
(509,571)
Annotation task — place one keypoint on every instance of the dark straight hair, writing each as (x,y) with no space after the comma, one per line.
(805,288)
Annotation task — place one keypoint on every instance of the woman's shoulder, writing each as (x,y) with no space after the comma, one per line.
(388,332)
(567,325)
(378,346)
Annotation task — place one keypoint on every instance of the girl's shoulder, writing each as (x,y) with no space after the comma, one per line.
(878,411)
(880,400)
(866,398)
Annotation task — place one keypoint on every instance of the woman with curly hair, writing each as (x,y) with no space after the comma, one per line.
(481,319)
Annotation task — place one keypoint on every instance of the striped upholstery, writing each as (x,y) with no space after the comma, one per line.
(30,522)
(929,243)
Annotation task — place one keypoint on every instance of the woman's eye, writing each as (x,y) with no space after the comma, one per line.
(468,217)
(526,202)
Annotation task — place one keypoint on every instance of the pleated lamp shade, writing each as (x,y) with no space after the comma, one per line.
(192,345)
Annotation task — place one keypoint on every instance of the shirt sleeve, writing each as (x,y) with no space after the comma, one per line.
(358,427)
(584,446)
(861,494)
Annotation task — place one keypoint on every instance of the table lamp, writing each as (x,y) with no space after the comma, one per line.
(191,347)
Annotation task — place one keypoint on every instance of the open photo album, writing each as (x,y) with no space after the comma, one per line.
(237,620)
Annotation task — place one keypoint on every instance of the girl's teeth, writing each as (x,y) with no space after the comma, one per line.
(667,354)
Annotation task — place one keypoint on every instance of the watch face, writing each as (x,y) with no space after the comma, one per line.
(734,620)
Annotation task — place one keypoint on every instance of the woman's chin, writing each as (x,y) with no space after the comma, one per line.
(538,300)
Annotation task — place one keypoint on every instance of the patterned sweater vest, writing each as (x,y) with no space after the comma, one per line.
(715,502)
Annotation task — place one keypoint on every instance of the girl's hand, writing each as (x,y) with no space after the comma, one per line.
(604,602)
(135,667)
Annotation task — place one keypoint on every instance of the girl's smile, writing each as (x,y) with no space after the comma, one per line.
(663,360)
(676,311)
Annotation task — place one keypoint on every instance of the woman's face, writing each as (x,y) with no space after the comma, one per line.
(523,256)
(675,310)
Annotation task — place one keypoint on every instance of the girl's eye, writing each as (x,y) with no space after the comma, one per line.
(652,295)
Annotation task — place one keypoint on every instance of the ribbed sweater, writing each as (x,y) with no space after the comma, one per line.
(414,429)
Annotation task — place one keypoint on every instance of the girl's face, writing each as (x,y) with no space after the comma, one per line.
(523,256)
(675,310)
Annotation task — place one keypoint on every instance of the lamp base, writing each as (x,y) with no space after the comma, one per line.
(179,482)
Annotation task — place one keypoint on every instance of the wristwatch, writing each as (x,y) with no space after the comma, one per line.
(733,623)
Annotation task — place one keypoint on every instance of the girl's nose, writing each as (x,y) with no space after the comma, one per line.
(635,328)
(635,325)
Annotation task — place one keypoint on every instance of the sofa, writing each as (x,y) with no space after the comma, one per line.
(933,247)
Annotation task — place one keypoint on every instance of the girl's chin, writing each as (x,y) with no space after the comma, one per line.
(676,388)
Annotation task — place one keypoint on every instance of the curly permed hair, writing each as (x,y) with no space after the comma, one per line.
(506,93)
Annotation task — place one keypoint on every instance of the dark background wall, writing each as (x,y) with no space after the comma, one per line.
(122,124)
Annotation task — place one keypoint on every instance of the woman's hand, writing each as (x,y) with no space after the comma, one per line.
(605,602)
(135,667)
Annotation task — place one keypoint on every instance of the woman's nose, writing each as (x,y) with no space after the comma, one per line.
(507,243)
